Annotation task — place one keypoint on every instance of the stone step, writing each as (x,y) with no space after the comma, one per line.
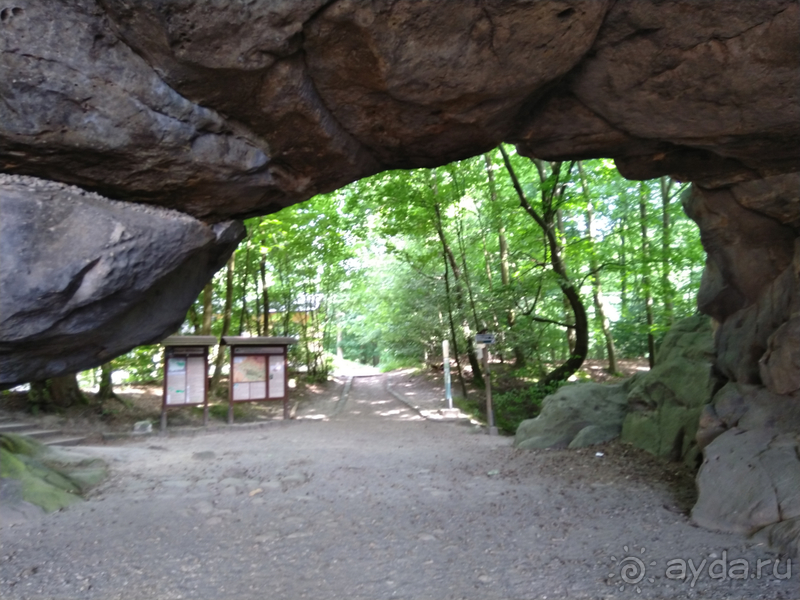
(48,437)
(14,427)
(42,433)
(64,441)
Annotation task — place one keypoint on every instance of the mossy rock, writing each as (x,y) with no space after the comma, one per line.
(51,478)
(664,404)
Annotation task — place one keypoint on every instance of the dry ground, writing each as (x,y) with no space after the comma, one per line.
(366,499)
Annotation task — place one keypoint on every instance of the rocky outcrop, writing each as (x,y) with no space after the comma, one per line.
(750,478)
(36,478)
(227,110)
(664,404)
(657,411)
(665,83)
(85,279)
(575,416)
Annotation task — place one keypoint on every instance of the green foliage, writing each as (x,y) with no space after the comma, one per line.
(514,406)
(322,372)
(38,399)
(394,363)
(219,411)
(143,364)
(362,270)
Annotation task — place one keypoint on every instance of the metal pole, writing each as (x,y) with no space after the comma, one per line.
(488,377)
(205,387)
(448,393)
(230,388)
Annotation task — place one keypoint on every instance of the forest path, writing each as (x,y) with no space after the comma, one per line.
(370,502)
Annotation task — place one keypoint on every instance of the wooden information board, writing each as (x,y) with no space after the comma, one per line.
(186,373)
(258,370)
(186,380)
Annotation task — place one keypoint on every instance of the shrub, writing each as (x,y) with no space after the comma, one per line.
(514,406)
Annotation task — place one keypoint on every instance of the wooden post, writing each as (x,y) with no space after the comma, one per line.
(488,378)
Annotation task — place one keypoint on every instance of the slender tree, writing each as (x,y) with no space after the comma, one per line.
(552,192)
(226,320)
(502,243)
(646,289)
(597,295)
(667,289)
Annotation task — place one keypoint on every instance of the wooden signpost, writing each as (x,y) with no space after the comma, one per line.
(258,370)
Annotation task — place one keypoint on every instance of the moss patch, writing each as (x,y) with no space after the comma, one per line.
(51,478)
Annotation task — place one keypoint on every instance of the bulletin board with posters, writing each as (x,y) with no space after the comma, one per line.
(186,373)
(258,370)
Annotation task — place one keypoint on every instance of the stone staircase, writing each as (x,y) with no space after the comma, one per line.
(48,437)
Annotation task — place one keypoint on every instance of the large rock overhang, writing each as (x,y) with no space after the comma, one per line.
(221,111)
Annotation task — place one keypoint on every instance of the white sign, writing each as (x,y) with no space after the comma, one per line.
(186,380)
(277,378)
(484,338)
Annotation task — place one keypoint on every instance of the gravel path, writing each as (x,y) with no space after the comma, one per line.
(366,499)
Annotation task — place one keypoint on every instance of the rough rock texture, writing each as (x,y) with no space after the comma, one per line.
(751,284)
(758,486)
(667,82)
(750,478)
(665,403)
(226,109)
(85,279)
(575,416)
(33,475)
(657,411)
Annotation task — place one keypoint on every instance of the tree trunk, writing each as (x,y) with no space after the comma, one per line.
(453,337)
(547,224)
(667,290)
(623,284)
(597,296)
(648,296)
(59,392)
(193,318)
(208,308)
(459,295)
(106,389)
(571,336)
(519,354)
(465,271)
(265,294)
(226,321)
(257,304)
(243,313)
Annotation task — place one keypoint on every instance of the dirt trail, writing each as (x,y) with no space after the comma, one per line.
(368,500)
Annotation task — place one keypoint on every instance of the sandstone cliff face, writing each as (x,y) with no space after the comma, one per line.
(226,110)
(750,478)
(85,279)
